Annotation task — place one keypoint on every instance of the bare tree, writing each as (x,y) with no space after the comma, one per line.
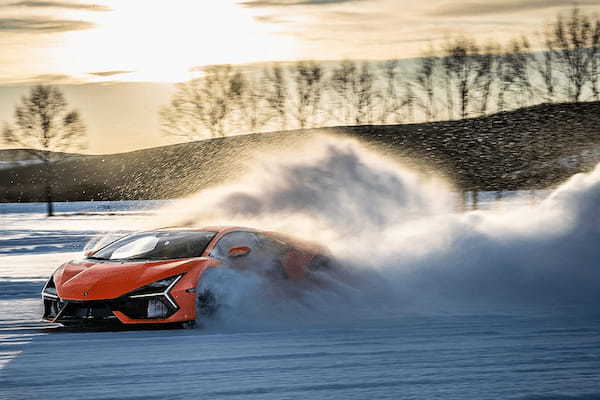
(574,44)
(462,67)
(354,89)
(448,83)
(251,109)
(410,100)
(595,60)
(201,107)
(308,78)
(391,97)
(544,66)
(487,75)
(514,63)
(342,84)
(44,122)
(595,71)
(366,95)
(425,80)
(276,91)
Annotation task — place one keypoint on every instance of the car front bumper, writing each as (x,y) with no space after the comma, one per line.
(124,310)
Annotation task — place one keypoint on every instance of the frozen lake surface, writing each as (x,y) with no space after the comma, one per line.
(452,357)
(493,304)
(508,354)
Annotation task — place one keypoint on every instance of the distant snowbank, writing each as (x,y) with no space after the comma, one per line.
(83,206)
(22,163)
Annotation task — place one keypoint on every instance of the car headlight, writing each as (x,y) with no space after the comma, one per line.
(159,303)
(156,288)
(163,283)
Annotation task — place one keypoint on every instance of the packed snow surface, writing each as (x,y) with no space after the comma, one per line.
(496,303)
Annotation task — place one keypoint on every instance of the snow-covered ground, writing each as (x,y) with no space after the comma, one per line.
(33,246)
(389,355)
(499,303)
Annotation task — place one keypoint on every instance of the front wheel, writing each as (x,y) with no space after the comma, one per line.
(207,303)
(222,290)
(320,263)
(188,324)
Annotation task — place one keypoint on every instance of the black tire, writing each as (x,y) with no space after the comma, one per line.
(207,304)
(320,263)
(188,324)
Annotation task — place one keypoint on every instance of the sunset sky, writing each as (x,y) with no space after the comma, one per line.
(117,59)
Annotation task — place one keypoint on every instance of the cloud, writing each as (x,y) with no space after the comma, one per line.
(271,19)
(50,78)
(41,25)
(109,73)
(279,3)
(60,4)
(43,79)
(477,8)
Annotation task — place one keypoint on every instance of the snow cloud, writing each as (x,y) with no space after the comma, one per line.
(403,239)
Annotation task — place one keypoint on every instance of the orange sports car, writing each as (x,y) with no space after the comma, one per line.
(152,277)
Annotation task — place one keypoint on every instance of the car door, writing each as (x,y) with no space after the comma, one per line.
(288,261)
(272,252)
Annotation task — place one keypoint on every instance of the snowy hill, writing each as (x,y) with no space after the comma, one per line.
(11,158)
(535,147)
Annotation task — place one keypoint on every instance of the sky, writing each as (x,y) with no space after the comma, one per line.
(117,60)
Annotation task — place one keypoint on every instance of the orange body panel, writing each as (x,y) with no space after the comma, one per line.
(295,262)
(88,281)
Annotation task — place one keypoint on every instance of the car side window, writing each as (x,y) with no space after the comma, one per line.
(237,238)
(272,245)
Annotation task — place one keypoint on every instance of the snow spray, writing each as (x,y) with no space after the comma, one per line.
(398,232)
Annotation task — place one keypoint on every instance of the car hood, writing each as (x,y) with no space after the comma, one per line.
(90,280)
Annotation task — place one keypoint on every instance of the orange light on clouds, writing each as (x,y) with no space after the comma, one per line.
(161,40)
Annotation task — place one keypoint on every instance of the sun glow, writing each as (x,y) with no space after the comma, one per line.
(161,41)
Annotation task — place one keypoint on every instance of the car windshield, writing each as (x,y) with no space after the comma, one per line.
(162,245)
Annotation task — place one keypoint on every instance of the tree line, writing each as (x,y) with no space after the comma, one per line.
(457,79)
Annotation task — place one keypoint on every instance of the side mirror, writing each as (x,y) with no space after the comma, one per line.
(239,251)
(88,253)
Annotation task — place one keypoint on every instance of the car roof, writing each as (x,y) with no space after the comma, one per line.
(222,230)
(218,229)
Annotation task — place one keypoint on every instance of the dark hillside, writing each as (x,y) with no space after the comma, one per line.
(525,148)
(509,150)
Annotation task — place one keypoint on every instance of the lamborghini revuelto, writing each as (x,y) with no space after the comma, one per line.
(153,277)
